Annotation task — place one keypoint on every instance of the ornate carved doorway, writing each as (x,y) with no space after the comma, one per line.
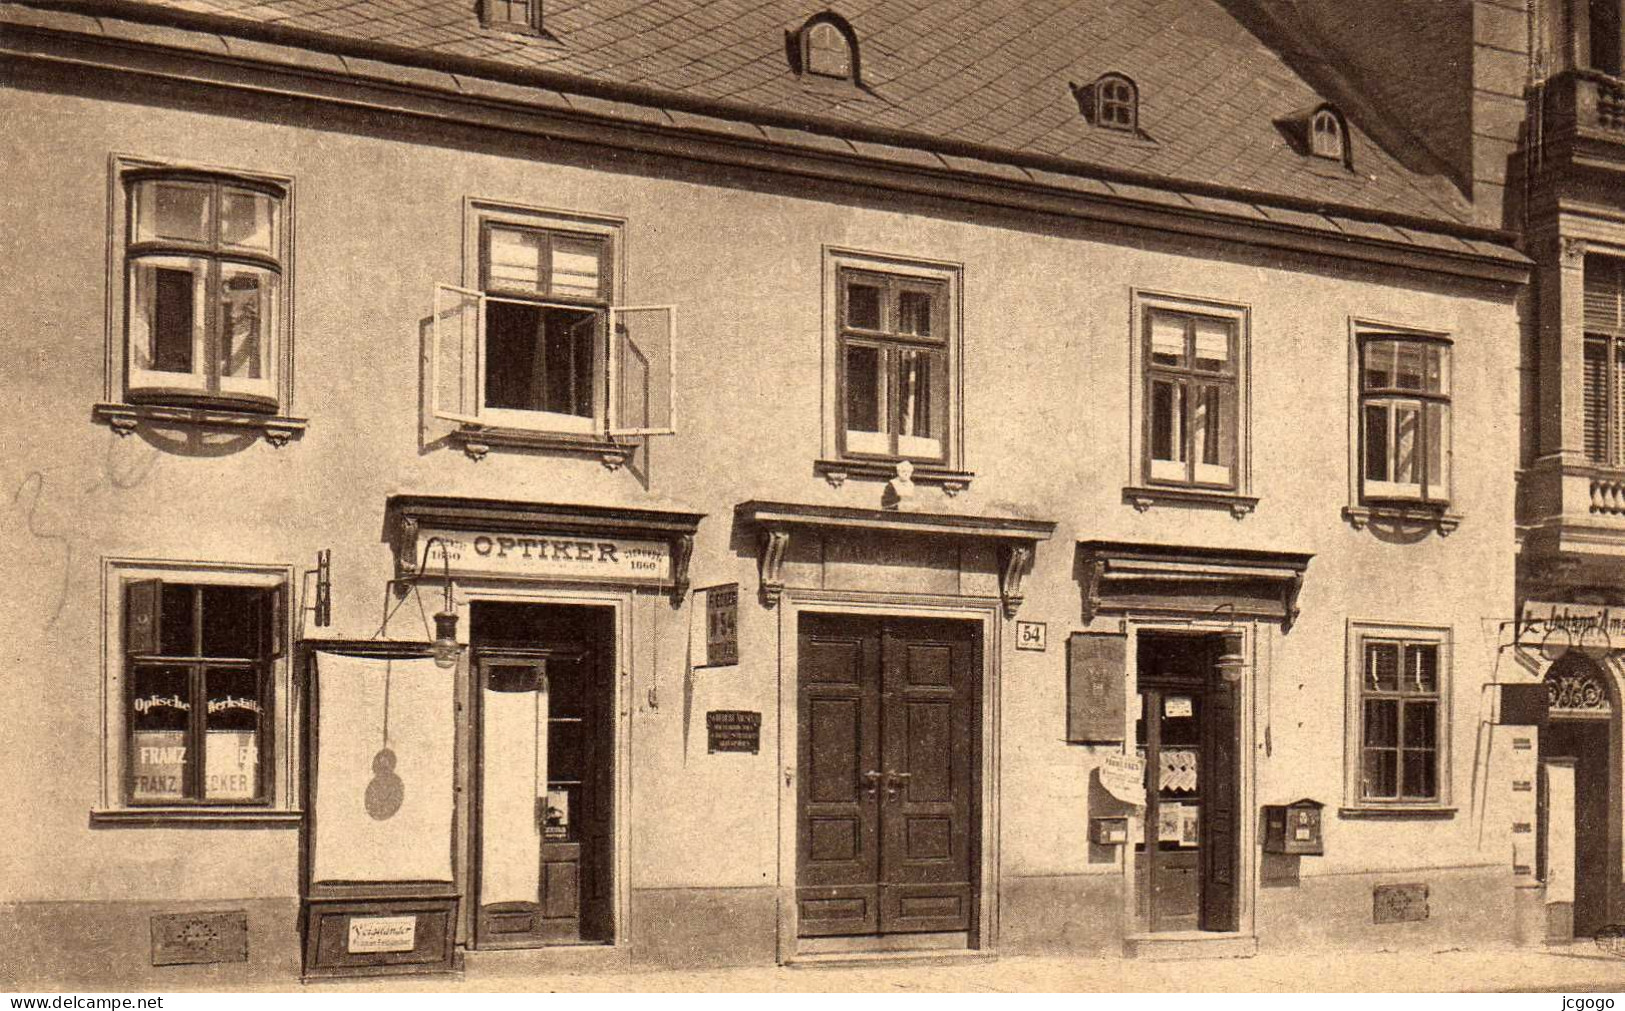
(1580,721)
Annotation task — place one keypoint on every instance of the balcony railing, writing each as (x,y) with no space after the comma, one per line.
(1585,101)
(1608,494)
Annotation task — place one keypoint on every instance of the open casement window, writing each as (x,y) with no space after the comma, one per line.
(1400,716)
(1192,391)
(197,674)
(1404,418)
(1604,372)
(541,348)
(894,358)
(204,264)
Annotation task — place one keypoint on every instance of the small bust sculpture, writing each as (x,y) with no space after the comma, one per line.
(899,492)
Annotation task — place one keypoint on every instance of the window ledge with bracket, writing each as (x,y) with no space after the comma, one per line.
(1407,514)
(837,472)
(478,440)
(277,429)
(1143,497)
(166,817)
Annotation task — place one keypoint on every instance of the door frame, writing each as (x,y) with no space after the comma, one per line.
(985,612)
(625,603)
(1252,707)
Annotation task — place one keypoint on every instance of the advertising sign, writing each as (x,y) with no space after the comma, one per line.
(578,557)
(1123,776)
(382,933)
(722,625)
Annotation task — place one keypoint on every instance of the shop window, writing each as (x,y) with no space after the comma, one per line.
(541,347)
(1404,419)
(1604,363)
(1399,717)
(201,654)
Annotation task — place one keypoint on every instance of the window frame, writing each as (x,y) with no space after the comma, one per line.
(280,707)
(1144,489)
(1612,339)
(1393,396)
(123,407)
(531,25)
(945,282)
(1360,633)
(1337,138)
(802,56)
(1102,103)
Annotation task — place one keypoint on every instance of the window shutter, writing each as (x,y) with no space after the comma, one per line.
(1604,295)
(143,599)
(643,370)
(276,621)
(1096,686)
(454,361)
(1596,400)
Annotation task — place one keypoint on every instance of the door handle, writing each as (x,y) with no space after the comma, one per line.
(895,781)
(872,781)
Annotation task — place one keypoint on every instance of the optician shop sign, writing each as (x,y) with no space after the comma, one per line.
(495,554)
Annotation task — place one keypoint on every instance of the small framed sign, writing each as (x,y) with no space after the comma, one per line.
(733,730)
(1032,635)
(722,625)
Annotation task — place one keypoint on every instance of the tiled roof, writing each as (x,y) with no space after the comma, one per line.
(989,73)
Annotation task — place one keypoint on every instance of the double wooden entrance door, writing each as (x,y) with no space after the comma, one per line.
(888,754)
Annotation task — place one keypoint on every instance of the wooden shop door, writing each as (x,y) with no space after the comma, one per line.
(888,756)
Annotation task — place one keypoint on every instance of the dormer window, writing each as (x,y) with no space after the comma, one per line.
(1326,135)
(512,15)
(828,48)
(1117,102)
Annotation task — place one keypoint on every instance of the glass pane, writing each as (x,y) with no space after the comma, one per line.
(1212,345)
(914,392)
(1381,773)
(1421,774)
(1438,377)
(865,383)
(1410,365)
(565,751)
(1405,462)
(512,365)
(1381,723)
(1167,340)
(914,313)
(160,711)
(1379,365)
(247,321)
(231,740)
(172,211)
(248,220)
(1438,447)
(827,51)
(166,322)
(566,683)
(1421,725)
(1167,420)
(578,267)
(516,260)
(1382,666)
(863,306)
(1421,668)
(1376,442)
(567,365)
(231,621)
(1211,430)
(177,628)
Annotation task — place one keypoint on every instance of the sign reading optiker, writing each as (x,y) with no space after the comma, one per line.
(496,554)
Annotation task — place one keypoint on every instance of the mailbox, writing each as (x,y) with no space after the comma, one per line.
(1294,828)
(1108,831)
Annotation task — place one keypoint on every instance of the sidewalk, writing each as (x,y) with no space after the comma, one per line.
(1574,968)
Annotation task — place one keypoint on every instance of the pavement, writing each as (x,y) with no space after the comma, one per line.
(1576,968)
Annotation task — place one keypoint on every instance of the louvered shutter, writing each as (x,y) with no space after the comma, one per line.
(1596,400)
(142,604)
(1605,295)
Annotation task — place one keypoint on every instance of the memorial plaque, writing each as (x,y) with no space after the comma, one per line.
(733,730)
(1399,903)
(200,938)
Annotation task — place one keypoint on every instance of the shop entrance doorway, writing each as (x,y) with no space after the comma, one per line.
(1188,733)
(889,759)
(544,773)
(1579,720)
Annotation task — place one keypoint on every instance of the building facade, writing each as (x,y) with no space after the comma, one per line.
(576,488)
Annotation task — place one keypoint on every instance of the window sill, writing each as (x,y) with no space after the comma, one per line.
(277,429)
(477,441)
(166,817)
(1406,514)
(1398,811)
(1143,497)
(836,473)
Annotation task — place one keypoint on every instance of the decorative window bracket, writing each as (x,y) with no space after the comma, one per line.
(477,441)
(124,419)
(1403,517)
(837,472)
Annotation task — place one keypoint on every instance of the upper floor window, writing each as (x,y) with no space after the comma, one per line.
(825,47)
(1192,397)
(1404,417)
(1117,102)
(204,264)
(540,346)
(523,15)
(1604,371)
(894,365)
(1326,135)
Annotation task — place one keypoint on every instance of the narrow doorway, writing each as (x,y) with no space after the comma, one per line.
(1188,734)
(889,751)
(1579,721)
(544,774)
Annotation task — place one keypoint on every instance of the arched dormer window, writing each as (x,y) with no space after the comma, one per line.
(827,47)
(1117,102)
(1326,137)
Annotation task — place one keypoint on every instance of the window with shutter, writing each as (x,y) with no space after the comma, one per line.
(1604,363)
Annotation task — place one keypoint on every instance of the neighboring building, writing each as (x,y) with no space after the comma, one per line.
(845,448)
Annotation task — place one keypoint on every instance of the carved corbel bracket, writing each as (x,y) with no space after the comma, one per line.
(682,549)
(1572,251)
(1289,600)
(614,459)
(1015,561)
(406,547)
(1094,571)
(775,542)
(475,449)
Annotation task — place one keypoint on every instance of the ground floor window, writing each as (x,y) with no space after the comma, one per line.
(1399,719)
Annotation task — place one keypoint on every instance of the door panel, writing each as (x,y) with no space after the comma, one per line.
(1586,741)
(1221,823)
